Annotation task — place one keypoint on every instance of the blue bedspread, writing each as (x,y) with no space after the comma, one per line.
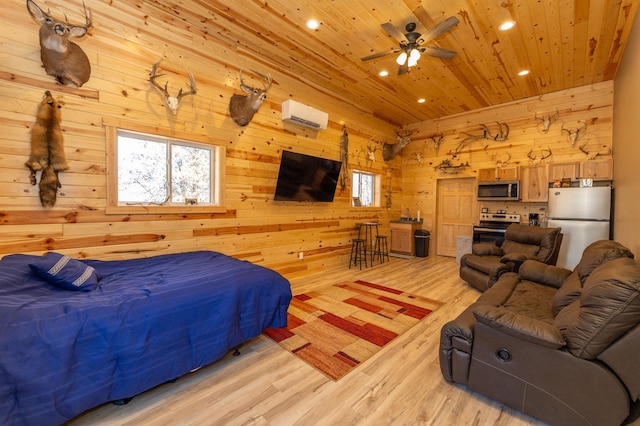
(149,321)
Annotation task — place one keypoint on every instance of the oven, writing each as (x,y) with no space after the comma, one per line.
(492,226)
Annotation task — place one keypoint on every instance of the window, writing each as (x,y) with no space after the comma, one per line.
(365,189)
(156,173)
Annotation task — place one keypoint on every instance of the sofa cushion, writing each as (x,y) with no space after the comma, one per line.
(489,265)
(541,241)
(520,326)
(486,249)
(608,306)
(542,273)
(597,253)
(532,300)
(568,293)
(516,247)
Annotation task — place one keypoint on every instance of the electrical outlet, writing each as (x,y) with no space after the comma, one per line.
(300,255)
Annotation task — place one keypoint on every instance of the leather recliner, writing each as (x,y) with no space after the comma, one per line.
(562,346)
(487,262)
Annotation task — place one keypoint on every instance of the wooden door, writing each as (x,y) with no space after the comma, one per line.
(456,212)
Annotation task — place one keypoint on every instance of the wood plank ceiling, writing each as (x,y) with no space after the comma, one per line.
(564,44)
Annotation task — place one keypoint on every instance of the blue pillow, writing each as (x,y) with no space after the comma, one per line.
(65,272)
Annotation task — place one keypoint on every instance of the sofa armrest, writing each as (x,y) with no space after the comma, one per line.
(541,273)
(515,260)
(486,249)
(519,326)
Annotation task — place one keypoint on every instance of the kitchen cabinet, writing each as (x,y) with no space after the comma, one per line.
(402,241)
(559,171)
(597,169)
(534,183)
(498,173)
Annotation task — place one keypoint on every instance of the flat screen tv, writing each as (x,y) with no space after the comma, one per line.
(306,178)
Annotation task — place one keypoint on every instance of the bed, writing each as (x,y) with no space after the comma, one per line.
(133,324)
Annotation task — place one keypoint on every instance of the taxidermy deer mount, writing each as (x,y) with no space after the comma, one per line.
(546,121)
(389,151)
(501,136)
(60,57)
(172,102)
(437,138)
(242,108)
(574,135)
(47,150)
(593,154)
(544,154)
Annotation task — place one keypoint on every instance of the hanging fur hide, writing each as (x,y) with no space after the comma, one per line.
(47,150)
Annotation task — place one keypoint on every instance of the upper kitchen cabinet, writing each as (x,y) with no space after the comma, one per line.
(534,183)
(597,169)
(498,173)
(559,171)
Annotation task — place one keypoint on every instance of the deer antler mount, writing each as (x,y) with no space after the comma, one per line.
(574,134)
(546,121)
(172,102)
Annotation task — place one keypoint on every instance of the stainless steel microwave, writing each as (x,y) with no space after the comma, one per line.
(499,190)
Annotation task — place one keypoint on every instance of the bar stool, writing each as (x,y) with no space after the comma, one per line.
(381,248)
(368,236)
(358,252)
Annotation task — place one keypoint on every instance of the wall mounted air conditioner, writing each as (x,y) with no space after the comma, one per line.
(304,115)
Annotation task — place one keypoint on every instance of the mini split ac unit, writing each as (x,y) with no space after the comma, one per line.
(304,115)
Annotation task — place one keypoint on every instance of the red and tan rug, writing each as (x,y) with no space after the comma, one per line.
(338,327)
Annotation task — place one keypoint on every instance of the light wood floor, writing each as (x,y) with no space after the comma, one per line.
(266,385)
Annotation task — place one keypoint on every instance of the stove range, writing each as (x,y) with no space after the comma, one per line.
(492,227)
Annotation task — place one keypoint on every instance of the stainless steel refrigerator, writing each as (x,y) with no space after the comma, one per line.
(584,215)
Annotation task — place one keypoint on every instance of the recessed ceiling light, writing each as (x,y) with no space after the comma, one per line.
(421,100)
(523,72)
(313,24)
(507,25)
(383,73)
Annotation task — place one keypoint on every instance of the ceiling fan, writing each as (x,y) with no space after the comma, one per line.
(412,43)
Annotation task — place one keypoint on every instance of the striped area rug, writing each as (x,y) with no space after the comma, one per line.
(338,327)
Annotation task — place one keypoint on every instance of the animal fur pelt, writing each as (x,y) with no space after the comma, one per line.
(49,185)
(47,150)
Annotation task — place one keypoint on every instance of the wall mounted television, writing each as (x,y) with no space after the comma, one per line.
(306,178)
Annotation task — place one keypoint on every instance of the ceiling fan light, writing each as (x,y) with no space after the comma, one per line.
(414,55)
(402,58)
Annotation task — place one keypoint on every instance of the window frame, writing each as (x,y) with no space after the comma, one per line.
(377,184)
(115,207)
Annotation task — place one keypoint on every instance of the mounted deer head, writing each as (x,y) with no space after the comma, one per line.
(546,121)
(389,151)
(60,57)
(242,108)
(437,139)
(544,154)
(172,102)
(500,162)
(574,135)
(593,154)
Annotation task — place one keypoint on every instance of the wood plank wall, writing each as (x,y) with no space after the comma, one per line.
(591,105)
(126,39)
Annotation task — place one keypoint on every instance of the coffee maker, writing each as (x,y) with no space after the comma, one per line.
(533,219)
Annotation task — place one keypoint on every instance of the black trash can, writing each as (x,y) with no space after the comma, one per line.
(422,242)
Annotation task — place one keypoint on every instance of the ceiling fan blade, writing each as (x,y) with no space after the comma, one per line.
(394,32)
(379,54)
(438,52)
(404,68)
(439,29)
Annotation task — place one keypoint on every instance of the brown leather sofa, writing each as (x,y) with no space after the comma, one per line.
(562,346)
(483,266)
